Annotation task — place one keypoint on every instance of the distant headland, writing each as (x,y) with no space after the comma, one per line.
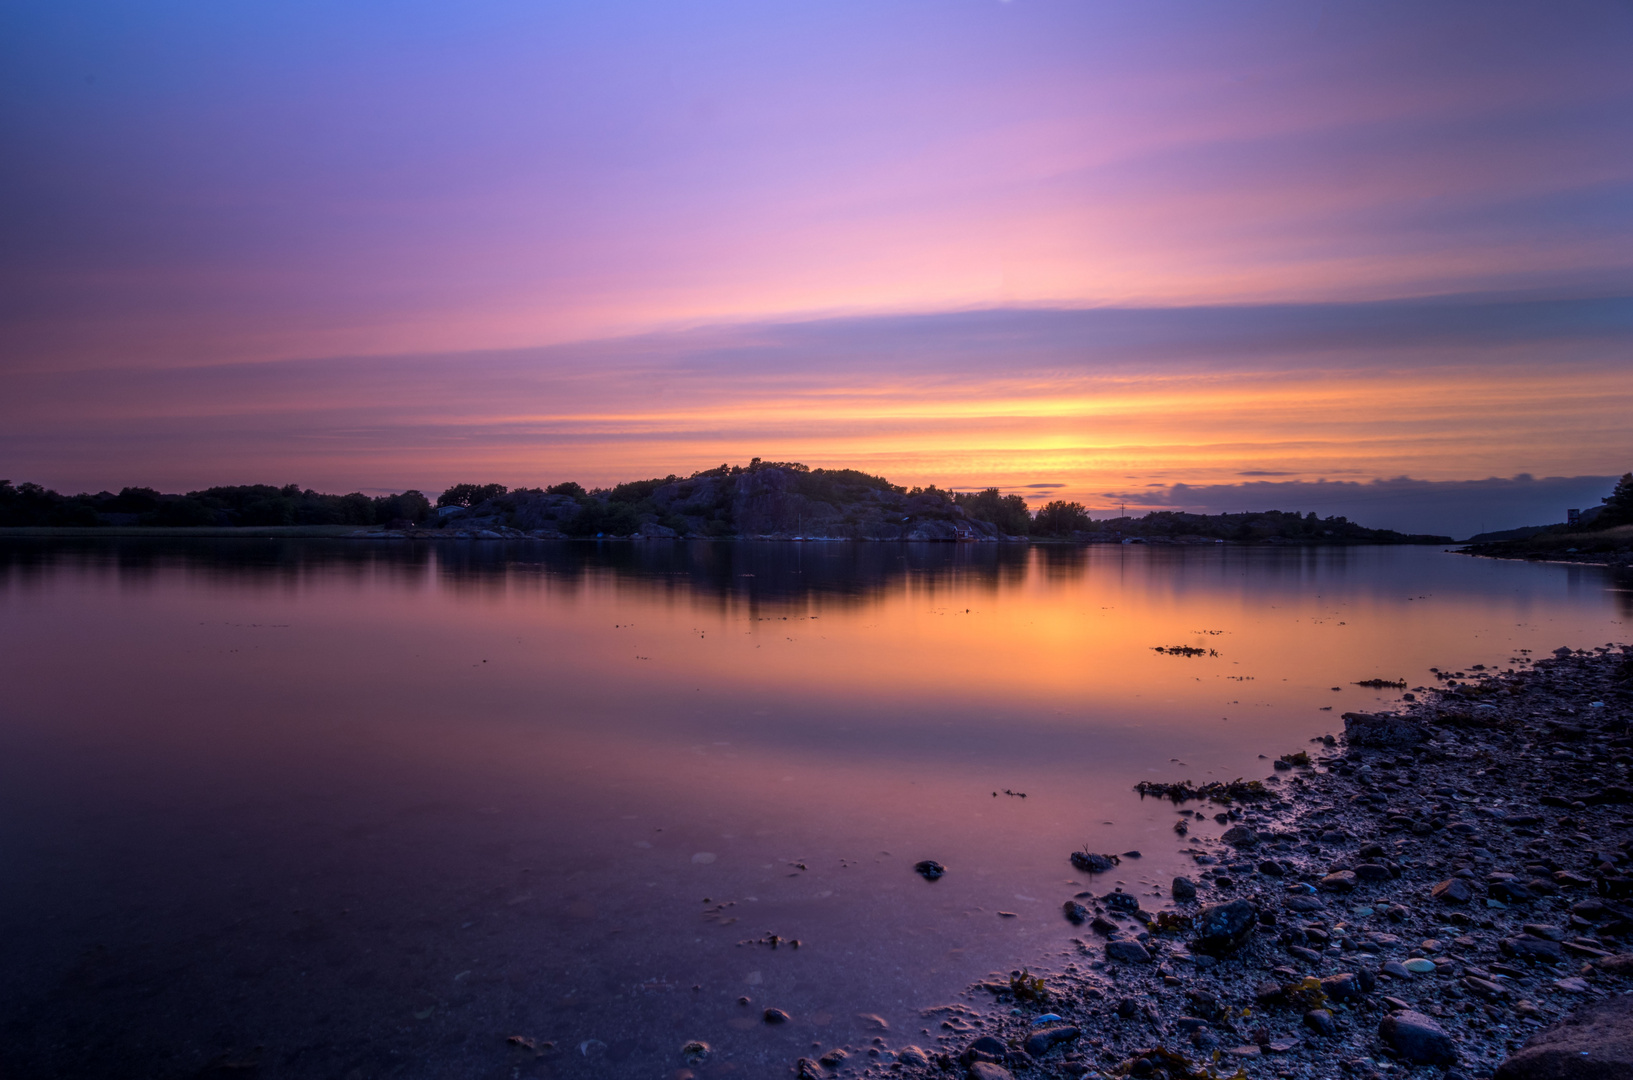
(760,500)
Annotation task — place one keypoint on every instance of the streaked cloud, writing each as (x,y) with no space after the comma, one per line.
(1084,404)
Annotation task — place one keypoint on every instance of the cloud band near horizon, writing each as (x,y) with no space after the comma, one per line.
(1192,407)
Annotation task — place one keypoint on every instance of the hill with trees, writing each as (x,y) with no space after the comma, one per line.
(1603,535)
(772,499)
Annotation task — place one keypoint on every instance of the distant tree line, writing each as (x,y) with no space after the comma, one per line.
(247,504)
(702,504)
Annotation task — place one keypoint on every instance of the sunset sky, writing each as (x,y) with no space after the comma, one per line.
(1372,258)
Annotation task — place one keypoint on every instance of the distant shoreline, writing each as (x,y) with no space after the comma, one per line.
(343,532)
(1604,547)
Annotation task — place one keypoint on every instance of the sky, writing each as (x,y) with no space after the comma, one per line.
(1371,258)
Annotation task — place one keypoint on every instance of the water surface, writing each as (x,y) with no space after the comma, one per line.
(342,809)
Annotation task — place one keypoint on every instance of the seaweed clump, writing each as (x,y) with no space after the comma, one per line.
(1220,791)
(1027,987)
(1161,1061)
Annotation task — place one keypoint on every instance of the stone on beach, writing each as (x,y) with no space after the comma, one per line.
(1224,928)
(1383,730)
(1417,1038)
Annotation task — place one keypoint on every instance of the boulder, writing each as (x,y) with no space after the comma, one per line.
(1593,1043)
(1417,1038)
(1383,729)
(1224,928)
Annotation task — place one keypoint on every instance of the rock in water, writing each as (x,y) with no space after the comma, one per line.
(1224,928)
(1091,863)
(1183,889)
(1417,1038)
(1595,1041)
(1383,729)
(1075,913)
(929,869)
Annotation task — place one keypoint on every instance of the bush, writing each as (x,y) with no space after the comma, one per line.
(1618,509)
(1061,518)
(1008,512)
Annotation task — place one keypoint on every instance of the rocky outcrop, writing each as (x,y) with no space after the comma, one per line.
(1594,1043)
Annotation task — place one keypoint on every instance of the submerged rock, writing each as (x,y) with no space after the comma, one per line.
(929,869)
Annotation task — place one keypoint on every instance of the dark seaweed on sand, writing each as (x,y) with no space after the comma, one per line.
(1219,791)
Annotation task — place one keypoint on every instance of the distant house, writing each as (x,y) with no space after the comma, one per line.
(1573,517)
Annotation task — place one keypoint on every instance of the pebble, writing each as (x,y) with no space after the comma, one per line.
(1420,966)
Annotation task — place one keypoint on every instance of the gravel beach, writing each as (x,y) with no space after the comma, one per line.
(1429,894)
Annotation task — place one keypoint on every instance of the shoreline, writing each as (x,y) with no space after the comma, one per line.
(1602,547)
(347,532)
(1438,886)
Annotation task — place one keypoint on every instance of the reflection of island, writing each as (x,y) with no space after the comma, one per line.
(762,500)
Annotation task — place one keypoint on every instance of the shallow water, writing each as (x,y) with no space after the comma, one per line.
(354,810)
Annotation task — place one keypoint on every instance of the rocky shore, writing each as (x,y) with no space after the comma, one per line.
(1446,891)
(1602,547)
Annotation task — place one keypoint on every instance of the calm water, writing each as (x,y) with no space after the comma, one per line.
(360,811)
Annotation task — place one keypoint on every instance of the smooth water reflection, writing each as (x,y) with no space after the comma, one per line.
(346,809)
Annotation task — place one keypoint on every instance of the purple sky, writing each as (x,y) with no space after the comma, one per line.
(238,237)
